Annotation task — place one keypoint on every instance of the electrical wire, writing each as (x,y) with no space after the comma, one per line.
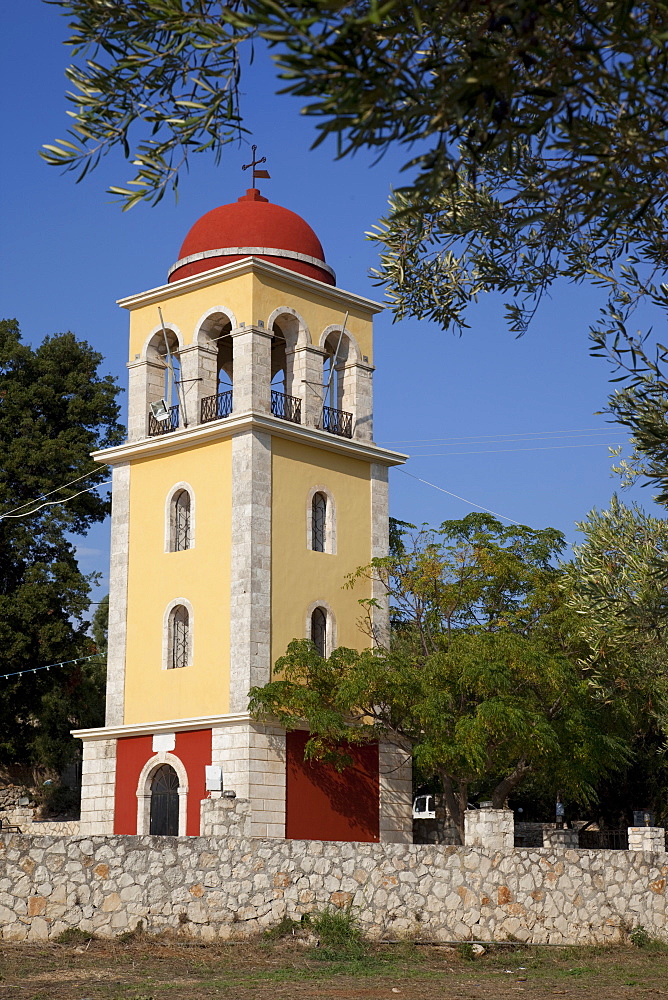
(463,499)
(45,495)
(49,503)
(63,663)
(503,451)
(575,431)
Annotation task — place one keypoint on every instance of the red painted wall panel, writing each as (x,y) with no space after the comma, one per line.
(193,749)
(322,804)
(132,752)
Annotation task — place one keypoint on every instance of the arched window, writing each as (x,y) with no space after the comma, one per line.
(319,630)
(164,819)
(321,519)
(319,522)
(179,637)
(180,518)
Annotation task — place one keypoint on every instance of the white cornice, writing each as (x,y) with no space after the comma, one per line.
(250,252)
(163,726)
(236,424)
(245,266)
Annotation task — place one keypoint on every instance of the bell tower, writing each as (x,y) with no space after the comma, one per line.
(249,487)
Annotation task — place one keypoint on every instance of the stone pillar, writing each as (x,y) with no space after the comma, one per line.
(305,365)
(493,829)
(199,378)
(252,758)
(380,544)
(118,594)
(98,783)
(357,397)
(223,817)
(250,599)
(560,838)
(251,348)
(146,385)
(396,795)
(647,838)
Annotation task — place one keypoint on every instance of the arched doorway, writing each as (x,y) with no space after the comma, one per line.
(164,821)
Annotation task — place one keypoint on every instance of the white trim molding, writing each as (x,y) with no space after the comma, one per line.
(164,726)
(248,265)
(251,252)
(330,519)
(144,791)
(330,636)
(303,337)
(353,350)
(237,423)
(157,330)
(207,323)
(166,631)
(169,516)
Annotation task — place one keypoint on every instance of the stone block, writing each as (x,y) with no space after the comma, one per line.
(647,838)
(493,829)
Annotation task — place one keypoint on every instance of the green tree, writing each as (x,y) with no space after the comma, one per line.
(482,680)
(55,408)
(534,132)
(618,590)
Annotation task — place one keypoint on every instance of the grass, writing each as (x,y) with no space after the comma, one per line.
(289,966)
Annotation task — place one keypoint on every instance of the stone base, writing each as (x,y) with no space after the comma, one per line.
(560,838)
(223,817)
(493,829)
(647,838)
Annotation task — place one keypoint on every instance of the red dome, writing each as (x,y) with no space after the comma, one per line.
(252,226)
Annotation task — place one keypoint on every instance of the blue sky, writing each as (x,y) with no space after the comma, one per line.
(508,424)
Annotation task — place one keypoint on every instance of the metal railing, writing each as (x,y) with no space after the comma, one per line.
(158,427)
(216,407)
(604,840)
(286,407)
(529,838)
(337,422)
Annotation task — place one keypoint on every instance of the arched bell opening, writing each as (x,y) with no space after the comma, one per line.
(285,401)
(216,367)
(164,809)
(164,389)
(337,352)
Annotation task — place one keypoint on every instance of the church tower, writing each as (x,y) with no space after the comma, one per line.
(248,488)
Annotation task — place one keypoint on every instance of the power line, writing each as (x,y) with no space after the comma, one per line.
(515,435)
(63,663)
(45,495)
(49,503)
(500,451)
(463,499)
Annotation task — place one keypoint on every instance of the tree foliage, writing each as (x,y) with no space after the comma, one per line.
(617,588)
(482,680)
(534,131)
(55,408)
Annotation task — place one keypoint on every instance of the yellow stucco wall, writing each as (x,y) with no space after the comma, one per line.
(250,297)
(200,574)
(300,576)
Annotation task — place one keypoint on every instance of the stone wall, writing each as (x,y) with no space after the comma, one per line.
(210,887)
(17,809)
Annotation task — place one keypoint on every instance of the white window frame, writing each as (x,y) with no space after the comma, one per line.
(330,635)
(166,630)
(144,791)
(330,520)
(169,516)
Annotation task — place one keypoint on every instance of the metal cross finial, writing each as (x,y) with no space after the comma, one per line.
(255,163)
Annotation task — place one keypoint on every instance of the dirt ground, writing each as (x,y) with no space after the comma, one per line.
(163,969)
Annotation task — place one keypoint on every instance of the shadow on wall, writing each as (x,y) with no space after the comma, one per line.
(325,804)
